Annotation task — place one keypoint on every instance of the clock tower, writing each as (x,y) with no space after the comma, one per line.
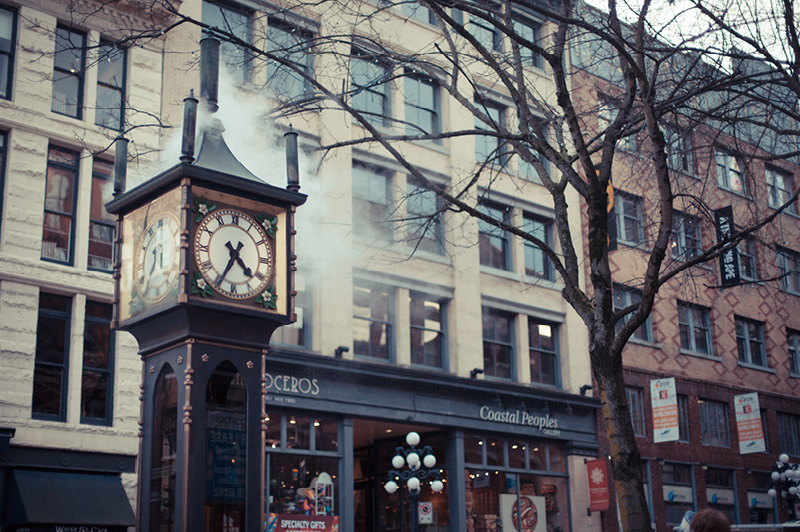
(204,275)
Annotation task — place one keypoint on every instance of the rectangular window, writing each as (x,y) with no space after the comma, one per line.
(789,433)
(493,242)
(101,223)
(686,240)
(750,341)
(635,398)
(526,170)
(52,357)
(628,210)
(543,341)
(714,427)
(293,45)
(413,10)
(98,365)
(370,95)
(695,328)
(606,114)
(531,32)
(793,344)
(371,202)
(372,321)
(3,142)
(779,189)
(746,251)
(425,223)
(427,330)
(679,150)
(676,475)
(625,297)
(789,270)
(8,25)
(236,22)
(498,343)
(490,148)
(537,264)
(683,418)
(421,106)
(485,33)
(68,72)
(59,205)
(730,172)
(110,109)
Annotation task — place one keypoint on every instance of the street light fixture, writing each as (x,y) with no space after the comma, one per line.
(417,470)
(786,483)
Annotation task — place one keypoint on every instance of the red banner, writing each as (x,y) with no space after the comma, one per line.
(302,523)
(598,485)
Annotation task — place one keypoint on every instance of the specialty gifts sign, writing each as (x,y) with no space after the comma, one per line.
(524,515)
(302,523)
(748,423)
(664,402)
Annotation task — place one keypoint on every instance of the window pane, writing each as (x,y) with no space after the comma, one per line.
(47,382)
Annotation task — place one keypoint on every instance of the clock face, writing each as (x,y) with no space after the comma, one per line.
(157,258)
(233,254)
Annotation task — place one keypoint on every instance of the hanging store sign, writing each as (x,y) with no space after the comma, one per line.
(599,497)
(546,423)
(664,403)
(748,423)
(728,261)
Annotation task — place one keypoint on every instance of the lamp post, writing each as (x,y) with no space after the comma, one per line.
(786,483)
(421,464)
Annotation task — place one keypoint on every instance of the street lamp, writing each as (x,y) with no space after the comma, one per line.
(786,483)
(421,465)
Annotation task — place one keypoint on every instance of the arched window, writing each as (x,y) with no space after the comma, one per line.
(165,445)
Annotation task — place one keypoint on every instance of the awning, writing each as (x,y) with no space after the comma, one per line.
(50,498)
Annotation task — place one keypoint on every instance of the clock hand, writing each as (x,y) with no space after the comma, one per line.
(234,253)
(247,271)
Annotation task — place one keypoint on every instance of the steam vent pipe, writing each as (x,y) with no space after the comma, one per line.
(120,164)
(189,126)
(209,72)
(292,172)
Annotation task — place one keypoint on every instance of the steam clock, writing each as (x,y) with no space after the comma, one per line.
(204,275)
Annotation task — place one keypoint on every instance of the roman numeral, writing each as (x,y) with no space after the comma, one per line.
(260,242)
(234,219)
(201,248)
(207,230)
(260,275)
(205,266)
(233,289)
(220,222)
(264,260)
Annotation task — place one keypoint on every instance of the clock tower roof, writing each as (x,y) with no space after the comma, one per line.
(214,153)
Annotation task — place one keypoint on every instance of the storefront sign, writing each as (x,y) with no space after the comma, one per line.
(677,493)
(302,523)
(598,485)
(748,423)
(522,513)
(290,384)
(547,424)
(759,499)
(664,402)
(720,495)
(728,263)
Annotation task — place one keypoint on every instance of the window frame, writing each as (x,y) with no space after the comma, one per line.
(65,317)
(630,296)
(300,40)
(432,238)
(745,342)
(488,231)
(109,372)
(441,333)
(691,328)
(726,164)
(793,347)
(77,73)
(106,180)
(413,127)
(778,180)
(120,88)
(789,433)
(621,201)
(417,12)
(10,55)
(387,324)
(546,225)
(634,396)
(228,50)
(486,30)
(789,275)
(684,427)
(540,351)
(490,149)
(376,90)
(747,260)
(679,150)
(679,245)
(371,228)
(529,57)
(70,259)
(494,314)
(718,433)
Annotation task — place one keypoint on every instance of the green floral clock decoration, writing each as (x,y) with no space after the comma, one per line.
(200,286)
(268,298)
(270,224)
(201,208)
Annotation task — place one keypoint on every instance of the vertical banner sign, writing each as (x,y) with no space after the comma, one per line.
(748,423)
(664,402)
(598,485)
(728,261)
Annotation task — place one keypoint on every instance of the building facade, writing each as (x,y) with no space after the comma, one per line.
(720,342)
(406,321)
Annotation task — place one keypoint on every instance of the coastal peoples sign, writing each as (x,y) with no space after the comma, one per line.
(549,425)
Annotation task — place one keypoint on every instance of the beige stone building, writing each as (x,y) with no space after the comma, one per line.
(438,325)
